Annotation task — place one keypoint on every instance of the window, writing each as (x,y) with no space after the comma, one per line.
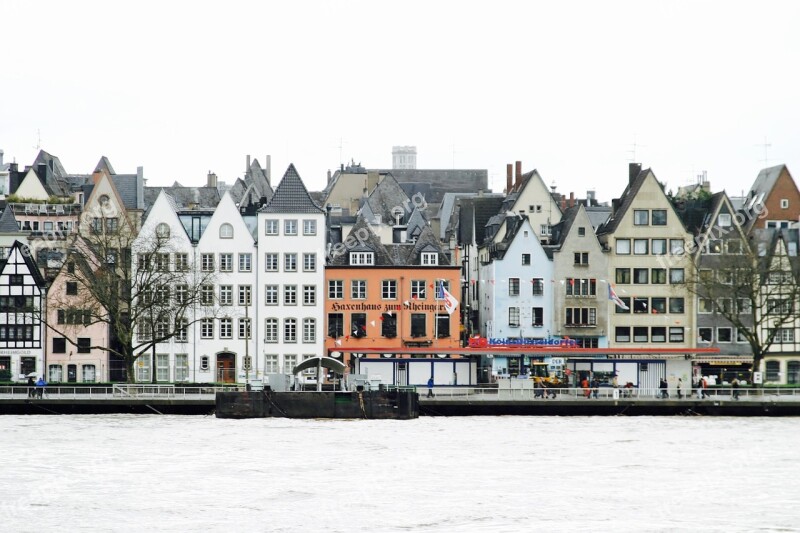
(526,259)
(271,364)
(676,305)
(658,305)
(623,275)
(72,287)
(271,262)
(290,330)
(623,246)
(245,262)
(245,295)
(271,295)
(538,286)
(513,317)
(640,334)
(271,330)
(181,294)
(204,363)
(207,262)
(244,328)
(358,289)
(181,262)
(623,310)
(388,325)
(705,334)
(581,287)
(59,345)
(418,287)
(640,275)
(162,367)
(84,345)
(206,294)
(55,373)
(581,316)
(640,304)
(143,368)
(429,259)
(784,203)
(659,246)
(309,330)
(545,230)
(724,220)
(290,262)
(309,227)
(537,316)
(162,262)
(289,362)
(772,370)
(225,328)
(290,294)
(182,330)
(335,325)
(290,227)
(442,325)
(658,334)
(622,334)
(389,289)
(309,262)
(206,328)
(271,226)
(582,258)
(658,275)
(358,325)
(676,276)
(145,330)
(641,217)
(640,246)
(181,367)
(724,335)
(309,295)
(734,246)
(659,217)
(513,286)
(581,231)
(335,289)
(675,334)
(777,306)
(725,276)
(226,231)
(704,305)
(418,328)
(714,246)
(744,306)
(226,295)
(362,258)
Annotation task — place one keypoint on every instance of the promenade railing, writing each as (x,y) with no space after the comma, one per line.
(607,393)
(117,392)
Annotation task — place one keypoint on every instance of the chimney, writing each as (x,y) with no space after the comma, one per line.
(572,199)
(519,175)
(247,168)
(330,176)
(268,169)
(212,180)
(372,180)
(633,171)
(509,177)
(140,188)
(96,176)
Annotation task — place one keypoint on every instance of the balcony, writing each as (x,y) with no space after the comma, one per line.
(46,209)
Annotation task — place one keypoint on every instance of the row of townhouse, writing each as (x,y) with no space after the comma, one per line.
(539,269)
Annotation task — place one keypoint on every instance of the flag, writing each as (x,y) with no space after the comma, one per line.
(450,302)
(612,295)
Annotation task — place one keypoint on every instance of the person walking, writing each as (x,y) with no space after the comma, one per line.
(663,386)
(31,385)
(585,387)
(595,388)
(680,393)
(430,387)
(40,385)
(735,387)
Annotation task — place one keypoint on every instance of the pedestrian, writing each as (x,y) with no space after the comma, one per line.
(595,387)
(31,390)
(663,386)
(704,387)
(40,385)
(735,386)
(680,393)
(585,387)
(430,387)
(538,388)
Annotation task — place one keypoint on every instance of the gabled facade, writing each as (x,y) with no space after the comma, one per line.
(290,278)
(22,291)
(581,295)
(773,200)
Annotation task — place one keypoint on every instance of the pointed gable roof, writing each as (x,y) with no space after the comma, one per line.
(766,179)
(20,250)
(8,222)
(386,198)
(104,164)
(291,196)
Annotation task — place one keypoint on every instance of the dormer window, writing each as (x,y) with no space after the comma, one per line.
(362,258)
(429,259)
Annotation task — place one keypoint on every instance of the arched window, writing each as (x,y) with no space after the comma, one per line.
(103,200)
(162,230)
(226,231)
(773,371)
(793,372)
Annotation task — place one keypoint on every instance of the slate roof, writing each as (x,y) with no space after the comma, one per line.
(388,197)
(481,209)
(204,197)
(441,181)
(8,222)
(126,188)
(561,230)
(766,179)
(104,164)
(695,214)
(291,196)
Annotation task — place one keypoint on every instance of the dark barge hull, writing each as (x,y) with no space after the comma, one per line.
(377,404)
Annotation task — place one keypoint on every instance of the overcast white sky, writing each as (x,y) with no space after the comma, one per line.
(182,88)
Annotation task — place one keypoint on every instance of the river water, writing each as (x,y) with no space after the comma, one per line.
(183,473)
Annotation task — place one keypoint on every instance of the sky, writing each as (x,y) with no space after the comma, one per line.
(576,90)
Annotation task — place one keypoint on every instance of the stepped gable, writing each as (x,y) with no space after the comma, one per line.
(291,196)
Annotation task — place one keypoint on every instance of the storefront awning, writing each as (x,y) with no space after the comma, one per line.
(725,359)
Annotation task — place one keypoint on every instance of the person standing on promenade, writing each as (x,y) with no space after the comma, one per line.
(31,390)
(595,388)
(663,386)
(40,385)
(735,386)
(680,393)
(585,387)
(704,387)
(430,387)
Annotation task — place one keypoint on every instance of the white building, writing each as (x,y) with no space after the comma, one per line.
(290,280)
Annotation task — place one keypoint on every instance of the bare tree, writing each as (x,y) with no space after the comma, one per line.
(128,281)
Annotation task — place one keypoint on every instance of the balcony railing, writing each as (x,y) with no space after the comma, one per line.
(46,209)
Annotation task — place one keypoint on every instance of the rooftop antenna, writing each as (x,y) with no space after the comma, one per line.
(341,145)
(765,145)
(632,151)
